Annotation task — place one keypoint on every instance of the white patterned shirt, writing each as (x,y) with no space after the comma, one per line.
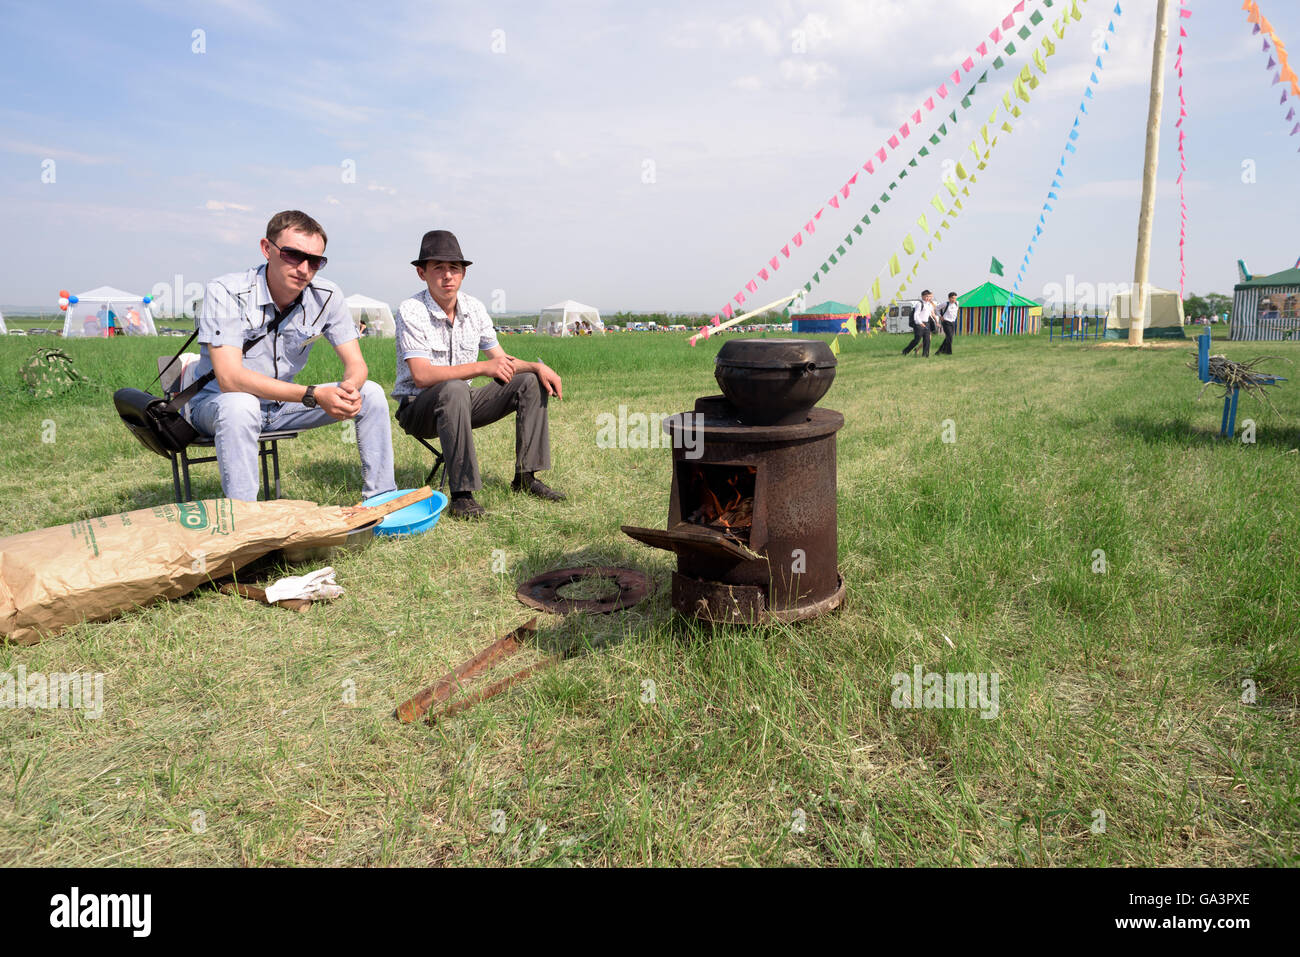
(424,332)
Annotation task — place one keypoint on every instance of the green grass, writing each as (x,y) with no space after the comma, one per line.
(1119,692)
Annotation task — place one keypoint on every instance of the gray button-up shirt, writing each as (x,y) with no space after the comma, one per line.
(238,307)
(423,331)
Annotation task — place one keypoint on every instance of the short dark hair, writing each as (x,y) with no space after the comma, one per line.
(925,292)
(294,219)
(952,295)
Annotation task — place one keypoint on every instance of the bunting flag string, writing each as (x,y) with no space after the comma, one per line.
(953,209)
(880,156)
(1277,61)
(1025,34)
(1069,150)
(1184,13)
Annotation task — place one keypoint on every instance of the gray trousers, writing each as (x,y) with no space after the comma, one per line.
(451,411)
(234,420)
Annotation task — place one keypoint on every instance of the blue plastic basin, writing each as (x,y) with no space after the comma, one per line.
(411,520)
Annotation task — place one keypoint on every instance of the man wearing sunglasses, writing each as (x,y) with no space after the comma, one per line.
(256,330)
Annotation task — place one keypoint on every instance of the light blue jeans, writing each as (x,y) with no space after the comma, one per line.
(234,420)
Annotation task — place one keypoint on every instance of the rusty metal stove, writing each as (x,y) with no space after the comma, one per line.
(751,515)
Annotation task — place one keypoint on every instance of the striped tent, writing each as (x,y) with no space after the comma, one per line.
(828,316)
(1267,307)
(988,306)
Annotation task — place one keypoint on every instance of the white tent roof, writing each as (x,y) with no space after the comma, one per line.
(558,319)
(570,305)
(365,302)
(378,315)
(107,294)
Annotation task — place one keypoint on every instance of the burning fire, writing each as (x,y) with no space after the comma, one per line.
(736,513)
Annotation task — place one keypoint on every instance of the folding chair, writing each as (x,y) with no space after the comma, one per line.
(437,463)
(268,446)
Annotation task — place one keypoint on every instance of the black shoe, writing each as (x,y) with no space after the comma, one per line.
(464,506)
(524,482)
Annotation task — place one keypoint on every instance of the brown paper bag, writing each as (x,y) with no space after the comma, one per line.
(98,568)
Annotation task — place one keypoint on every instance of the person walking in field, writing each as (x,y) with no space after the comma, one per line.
(949,319)
(922,324)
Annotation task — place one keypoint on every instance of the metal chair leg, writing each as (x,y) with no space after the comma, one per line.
(185,470)
(266,479)
(176,478)
(275,463)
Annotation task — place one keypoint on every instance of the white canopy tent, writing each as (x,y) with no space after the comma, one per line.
(379,318)
(94,311)
(569,318)
(3,328)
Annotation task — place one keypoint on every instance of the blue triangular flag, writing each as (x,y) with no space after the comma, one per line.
(1049,208)
(1088,92)
(1093,77)
(1042,219)
(1070,147)
(1118,11)
(1074,134)
(1055,185)
(1098,63)
(1052,195)
(1083,108)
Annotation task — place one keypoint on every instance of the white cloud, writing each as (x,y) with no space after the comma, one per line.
(378,188)
(220,207)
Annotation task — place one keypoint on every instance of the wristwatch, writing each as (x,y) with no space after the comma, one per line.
(309,398)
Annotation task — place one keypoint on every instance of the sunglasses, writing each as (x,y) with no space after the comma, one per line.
(296,257)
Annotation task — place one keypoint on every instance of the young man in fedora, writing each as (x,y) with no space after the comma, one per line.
(256,329)
(440,332)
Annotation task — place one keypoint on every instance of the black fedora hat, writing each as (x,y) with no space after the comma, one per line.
(440,245)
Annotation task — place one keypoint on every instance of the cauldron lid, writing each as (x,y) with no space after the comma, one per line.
(776,354)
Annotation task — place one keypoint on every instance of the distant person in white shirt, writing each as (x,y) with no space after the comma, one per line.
(949,319)
(922,324)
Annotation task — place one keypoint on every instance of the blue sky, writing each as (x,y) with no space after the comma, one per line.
(526,129)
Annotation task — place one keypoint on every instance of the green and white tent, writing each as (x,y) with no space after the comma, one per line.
(1267,307)
(1163,319)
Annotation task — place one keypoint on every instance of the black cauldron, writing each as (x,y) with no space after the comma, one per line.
(774,381)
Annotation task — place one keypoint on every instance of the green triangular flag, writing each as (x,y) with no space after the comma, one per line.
(995,267)
(875,209)
(923,151)
(934,138)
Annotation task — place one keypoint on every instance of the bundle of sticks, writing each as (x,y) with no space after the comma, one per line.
(1231,374)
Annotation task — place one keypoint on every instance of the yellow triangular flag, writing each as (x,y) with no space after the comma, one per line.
(1038,61)
(952,187)
(894,267)
(864,304)
(1007,127)
(961,171)
(1049,46)
(1074,11)
(984,132)
(909,244)
(1033,82)
(923,223)
(1006,99)
(835,346)
(875,289)
(1025,73)
(958,202)
(937,203)
(1016,112)
(1059,29)
(926,254)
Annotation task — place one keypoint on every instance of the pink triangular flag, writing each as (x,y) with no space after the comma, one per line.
(727,310)
(916,118)
(893,142)
(1019,7)
(929,103)
(996,35)
(881,154)
(774,263)
(942,91)
(797,239)
(751,286)
(956,76)
(818,214)
(785,250)
(1007,23)
(740,298)
(763,274)
(905,130)
(834,201)
(1182,31)
(869,166)
(967,64)
(983,48)
(714,321)
(852,179)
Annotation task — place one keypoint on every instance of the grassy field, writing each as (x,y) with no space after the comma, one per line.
(1121,737)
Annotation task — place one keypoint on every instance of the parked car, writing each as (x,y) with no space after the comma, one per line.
(899,316)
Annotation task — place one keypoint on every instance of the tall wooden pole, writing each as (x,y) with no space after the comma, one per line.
(1142,270)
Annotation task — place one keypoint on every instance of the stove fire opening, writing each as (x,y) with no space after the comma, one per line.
(720,497)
